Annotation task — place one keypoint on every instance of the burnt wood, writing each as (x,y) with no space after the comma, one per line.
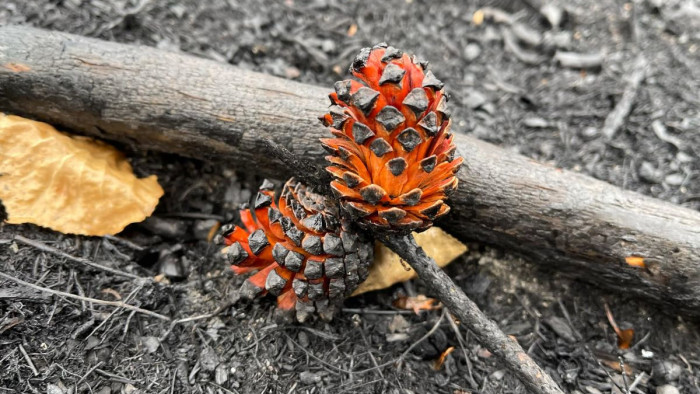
(199,108)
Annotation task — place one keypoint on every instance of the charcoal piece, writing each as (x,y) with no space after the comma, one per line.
(392,74)
(380,147)
(361,133)
(397,166)
(428,164)
(257,241)
(312,244)
(313,269)
(390,117)
(333,245)
(236,254)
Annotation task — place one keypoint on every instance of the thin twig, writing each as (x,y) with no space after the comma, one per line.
(28,360)
(487,332)
(616,118)
(45,248)
(119,304)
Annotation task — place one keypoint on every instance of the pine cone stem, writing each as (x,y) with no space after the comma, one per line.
(487,332)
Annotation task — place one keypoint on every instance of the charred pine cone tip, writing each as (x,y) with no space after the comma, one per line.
(392,156)
(300,250)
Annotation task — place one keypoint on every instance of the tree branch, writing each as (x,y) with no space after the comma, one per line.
(486,331)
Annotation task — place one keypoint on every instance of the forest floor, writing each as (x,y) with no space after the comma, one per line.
(510,85)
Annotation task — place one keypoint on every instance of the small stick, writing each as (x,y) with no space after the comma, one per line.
(487,332)
(119,304)
(46,248)
(616,118)
(28,360)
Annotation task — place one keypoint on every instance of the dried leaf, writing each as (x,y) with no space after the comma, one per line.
(624,337)
(635,261)
(388,269)
(417,303)
(438,363)
(70,184)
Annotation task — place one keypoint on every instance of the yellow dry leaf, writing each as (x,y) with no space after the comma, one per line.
(74,185)
(388,268)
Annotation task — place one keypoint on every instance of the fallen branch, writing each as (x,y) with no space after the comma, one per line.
(203,109)
(486,331)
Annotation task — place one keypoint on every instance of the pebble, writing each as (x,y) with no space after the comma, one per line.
(535,123)
(53,389)
(649,173)
(589,133)
(169,228)
(472,51)
(475,100)
(674,179)
(171,266)
(307,377)
(665,371)
(667,389)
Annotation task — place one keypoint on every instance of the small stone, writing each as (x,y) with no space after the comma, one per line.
(472,51)
(648,173)
(674,179)
(589,133)
(475,99)
(307,377)
(54,389)
(665,372)
(172,267)
(667,389)
(169,228)
(535,123)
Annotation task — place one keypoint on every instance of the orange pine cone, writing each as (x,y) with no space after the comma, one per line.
(393,158)
(302,251)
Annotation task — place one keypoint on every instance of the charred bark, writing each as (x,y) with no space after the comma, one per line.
(203,109)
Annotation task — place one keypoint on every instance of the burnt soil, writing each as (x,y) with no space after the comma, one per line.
(506,87)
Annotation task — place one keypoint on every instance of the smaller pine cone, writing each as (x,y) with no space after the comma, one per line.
(393,159)
(302,251)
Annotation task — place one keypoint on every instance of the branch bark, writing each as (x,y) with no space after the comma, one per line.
(486,331)
(175,103)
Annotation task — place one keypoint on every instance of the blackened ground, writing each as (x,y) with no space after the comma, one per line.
(511,92)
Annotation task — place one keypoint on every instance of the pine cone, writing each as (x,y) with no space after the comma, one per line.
(393,158)
(302,251)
